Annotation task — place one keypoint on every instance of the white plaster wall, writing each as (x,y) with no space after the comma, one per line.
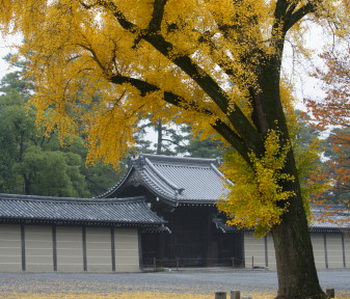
(69,249)
(39,251)
(271,253)
(127,250)
(334,250)
(254,249)
(98,249)
(10,248)
(317,240)
(347,249)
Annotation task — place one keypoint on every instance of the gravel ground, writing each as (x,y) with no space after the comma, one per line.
(194,281)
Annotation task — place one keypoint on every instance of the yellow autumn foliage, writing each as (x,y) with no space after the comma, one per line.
(255,196)
(80,48)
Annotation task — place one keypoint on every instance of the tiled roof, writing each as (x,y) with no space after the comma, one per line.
(330,218)
(118,212)
(177,179)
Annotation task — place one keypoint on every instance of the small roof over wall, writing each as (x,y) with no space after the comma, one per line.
(177,180)
(330,218)
(33,209)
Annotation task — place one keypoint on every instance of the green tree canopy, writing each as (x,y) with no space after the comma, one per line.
(32,163)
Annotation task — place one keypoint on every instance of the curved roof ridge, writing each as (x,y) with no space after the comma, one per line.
(219,173)
(177,159)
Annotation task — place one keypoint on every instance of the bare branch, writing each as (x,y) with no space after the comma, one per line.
(94,56)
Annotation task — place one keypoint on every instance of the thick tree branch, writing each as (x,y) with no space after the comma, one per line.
(221,127)
(232,138)
(157,16)
(268,111)
(281,9)
(170,97)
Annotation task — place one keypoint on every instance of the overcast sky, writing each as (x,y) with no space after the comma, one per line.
(7,45)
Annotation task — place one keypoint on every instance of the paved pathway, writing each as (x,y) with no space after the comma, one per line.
(200,282)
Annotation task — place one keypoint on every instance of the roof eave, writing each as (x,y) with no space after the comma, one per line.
(196,202)
(325,229)
(72,222)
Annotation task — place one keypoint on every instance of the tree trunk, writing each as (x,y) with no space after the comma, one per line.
(27,184)
(297,275)
(159,129)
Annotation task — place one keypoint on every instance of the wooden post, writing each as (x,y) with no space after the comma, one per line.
(235,295)
(220,295)
(330,293)
(154,264)
(233,262)
(252,262)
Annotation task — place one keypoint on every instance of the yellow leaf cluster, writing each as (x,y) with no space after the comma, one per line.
(254,199)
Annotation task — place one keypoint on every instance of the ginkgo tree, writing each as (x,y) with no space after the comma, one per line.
(216,64)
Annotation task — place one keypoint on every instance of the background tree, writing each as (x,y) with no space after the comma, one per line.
(216,64)
(35,164)
(334,109)
(338,164)
(167,137)
(333,113)
(208,147)
(308,147)
(176,139)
